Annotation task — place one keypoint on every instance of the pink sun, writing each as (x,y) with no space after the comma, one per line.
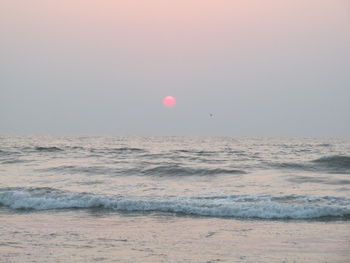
(169,101)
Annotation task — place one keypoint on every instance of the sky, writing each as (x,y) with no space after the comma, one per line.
(261,68)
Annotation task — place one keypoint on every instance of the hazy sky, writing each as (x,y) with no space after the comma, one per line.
(262,67)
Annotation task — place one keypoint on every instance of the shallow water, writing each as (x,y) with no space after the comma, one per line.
(180,199)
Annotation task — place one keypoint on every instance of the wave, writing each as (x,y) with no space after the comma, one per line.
(161,170)
(74,148)
(313,179)
(194,152)
(329,164)
(334,161)
(235,206)
(292,166)
(14,161)
(325,145)
(8,153)
(121,150)
(72,169)
(174,169)
(48,149)
(127,149)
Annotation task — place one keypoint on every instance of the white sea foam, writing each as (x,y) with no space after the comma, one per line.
(242,206)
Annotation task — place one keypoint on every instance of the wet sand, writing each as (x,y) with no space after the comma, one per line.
(92,236)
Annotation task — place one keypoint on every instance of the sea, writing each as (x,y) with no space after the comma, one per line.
(86,198)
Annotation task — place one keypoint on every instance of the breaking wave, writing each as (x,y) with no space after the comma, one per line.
(235,206)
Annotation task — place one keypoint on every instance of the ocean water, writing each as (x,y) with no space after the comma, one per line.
(174,199)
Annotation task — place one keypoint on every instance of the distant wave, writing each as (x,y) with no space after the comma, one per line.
(8,153)
(120,150)
(126,149)
(325,145)
(292,166)
(236,206)
(72,169)
(199,153)
(317,179)
(94,150)
(14,161)
(48,149)
(161,170)
(173,169)
(333,163)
